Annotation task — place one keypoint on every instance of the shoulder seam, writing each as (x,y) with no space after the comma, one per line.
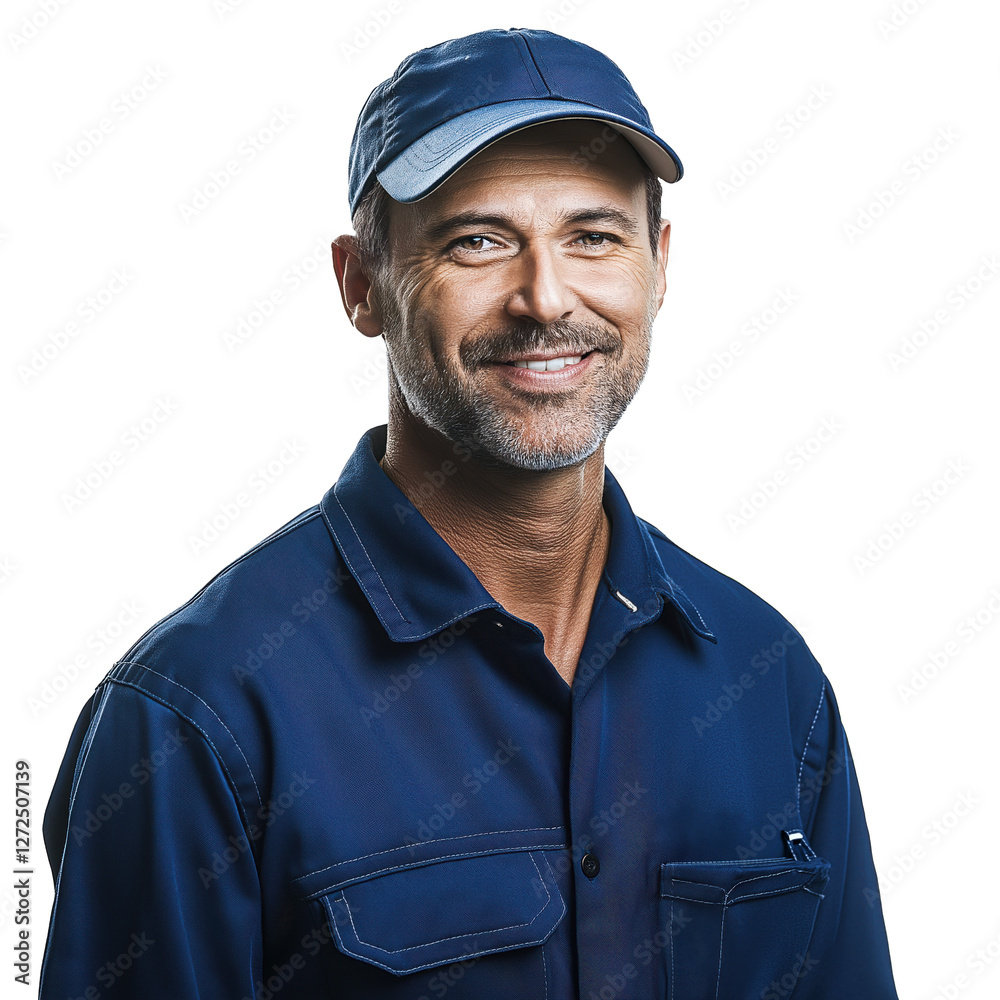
(194,725)
(805,749)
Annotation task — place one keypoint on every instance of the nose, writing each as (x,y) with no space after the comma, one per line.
(541,292)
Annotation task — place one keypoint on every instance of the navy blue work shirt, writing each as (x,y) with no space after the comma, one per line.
(343,770)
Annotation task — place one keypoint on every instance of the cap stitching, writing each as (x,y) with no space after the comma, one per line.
(417,164)
(520,44)
(539,63)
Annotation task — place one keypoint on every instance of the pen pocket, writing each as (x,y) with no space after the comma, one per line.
(741,928)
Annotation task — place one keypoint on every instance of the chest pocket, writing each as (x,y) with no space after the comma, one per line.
(442,922)
(739,929)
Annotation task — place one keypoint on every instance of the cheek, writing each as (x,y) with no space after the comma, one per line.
(620,291)
(456,304)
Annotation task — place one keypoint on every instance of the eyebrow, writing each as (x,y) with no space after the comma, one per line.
(606,214)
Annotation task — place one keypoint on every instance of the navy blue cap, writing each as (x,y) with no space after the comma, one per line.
(446,103)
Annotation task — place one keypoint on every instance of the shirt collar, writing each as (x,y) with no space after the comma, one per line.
(417,584)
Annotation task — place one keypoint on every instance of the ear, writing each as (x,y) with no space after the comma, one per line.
(356,291)
(661,262)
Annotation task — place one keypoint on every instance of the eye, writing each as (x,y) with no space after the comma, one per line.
(597,239)
(475,242)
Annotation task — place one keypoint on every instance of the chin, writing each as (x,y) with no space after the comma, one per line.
(527,452)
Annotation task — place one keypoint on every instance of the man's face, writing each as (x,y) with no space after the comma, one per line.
(527,253)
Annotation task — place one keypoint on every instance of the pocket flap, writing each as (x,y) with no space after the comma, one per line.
(417,917)
(728,882)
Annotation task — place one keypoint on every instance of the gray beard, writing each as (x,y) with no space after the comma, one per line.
(460,413)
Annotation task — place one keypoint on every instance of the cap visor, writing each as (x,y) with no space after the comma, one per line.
(429,161)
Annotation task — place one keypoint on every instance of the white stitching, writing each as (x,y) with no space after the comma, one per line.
(443,857)
(436,840)
(194,725)
(704,624)
(370,562)
(740,862)
(367,958)
(670,931)
(798,786)
(452,937)
(725,901)
(212,710)
(722,937)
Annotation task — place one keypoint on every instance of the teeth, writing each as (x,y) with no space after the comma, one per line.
(551,365)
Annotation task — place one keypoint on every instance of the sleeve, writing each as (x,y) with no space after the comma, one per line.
(849,953)
(156,892)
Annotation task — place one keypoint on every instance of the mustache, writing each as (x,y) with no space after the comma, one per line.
(564,336)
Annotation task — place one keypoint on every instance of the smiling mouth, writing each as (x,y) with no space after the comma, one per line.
(554,364)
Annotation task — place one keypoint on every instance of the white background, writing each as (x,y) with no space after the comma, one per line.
(882,95)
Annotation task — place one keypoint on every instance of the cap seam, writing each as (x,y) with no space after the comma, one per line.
(537,62)
(388,121)
(521,43)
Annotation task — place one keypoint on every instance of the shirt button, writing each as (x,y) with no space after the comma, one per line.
(590,865)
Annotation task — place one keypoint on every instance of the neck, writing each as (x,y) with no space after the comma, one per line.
(537,541)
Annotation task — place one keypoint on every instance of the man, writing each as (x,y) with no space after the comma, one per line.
(468,727)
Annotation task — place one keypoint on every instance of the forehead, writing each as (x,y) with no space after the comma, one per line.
(540,165)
